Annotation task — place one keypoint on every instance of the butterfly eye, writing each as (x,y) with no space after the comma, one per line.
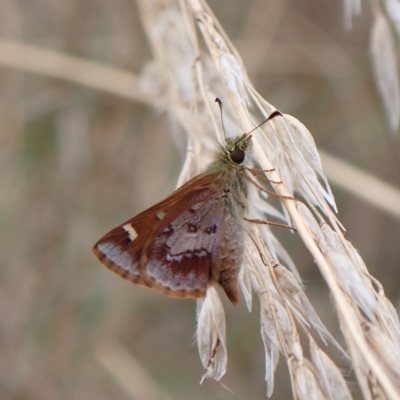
(237,155)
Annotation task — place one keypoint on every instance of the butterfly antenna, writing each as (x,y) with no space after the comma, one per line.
(272,115)
(217,100)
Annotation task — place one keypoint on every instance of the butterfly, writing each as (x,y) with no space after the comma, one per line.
(192,239)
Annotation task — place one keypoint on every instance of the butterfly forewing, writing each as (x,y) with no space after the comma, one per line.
(173,246)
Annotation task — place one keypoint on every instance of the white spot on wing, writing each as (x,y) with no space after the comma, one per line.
(161,214)
(131,231)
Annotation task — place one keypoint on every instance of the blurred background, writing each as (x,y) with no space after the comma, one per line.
(75,161)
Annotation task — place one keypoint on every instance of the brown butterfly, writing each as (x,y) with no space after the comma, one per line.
(191,239)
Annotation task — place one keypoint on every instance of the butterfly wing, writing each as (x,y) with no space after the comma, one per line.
(172,246)
(183,259)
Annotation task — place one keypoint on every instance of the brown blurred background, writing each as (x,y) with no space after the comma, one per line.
(75,161)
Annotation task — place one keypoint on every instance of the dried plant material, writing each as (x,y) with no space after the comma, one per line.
(386,349)
(384,58)
(305,145)
(245,286)
(380,194)
(331,379)
(352,8)
(125,369)
(69,68)
(392,8)
(349,276)
(231,71)
(211,335)
(285,150)
(384,51)
(306,385)
(300,305)
(390,318)
(272,353)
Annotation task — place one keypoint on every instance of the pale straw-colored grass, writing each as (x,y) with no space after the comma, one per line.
(196,62)
(385,35)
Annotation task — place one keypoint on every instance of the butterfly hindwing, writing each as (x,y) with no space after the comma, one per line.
(171,246)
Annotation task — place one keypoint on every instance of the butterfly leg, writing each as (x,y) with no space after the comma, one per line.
(259,187)
(256,171)
(266,222)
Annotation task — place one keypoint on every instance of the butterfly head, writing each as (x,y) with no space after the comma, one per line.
(236,149)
